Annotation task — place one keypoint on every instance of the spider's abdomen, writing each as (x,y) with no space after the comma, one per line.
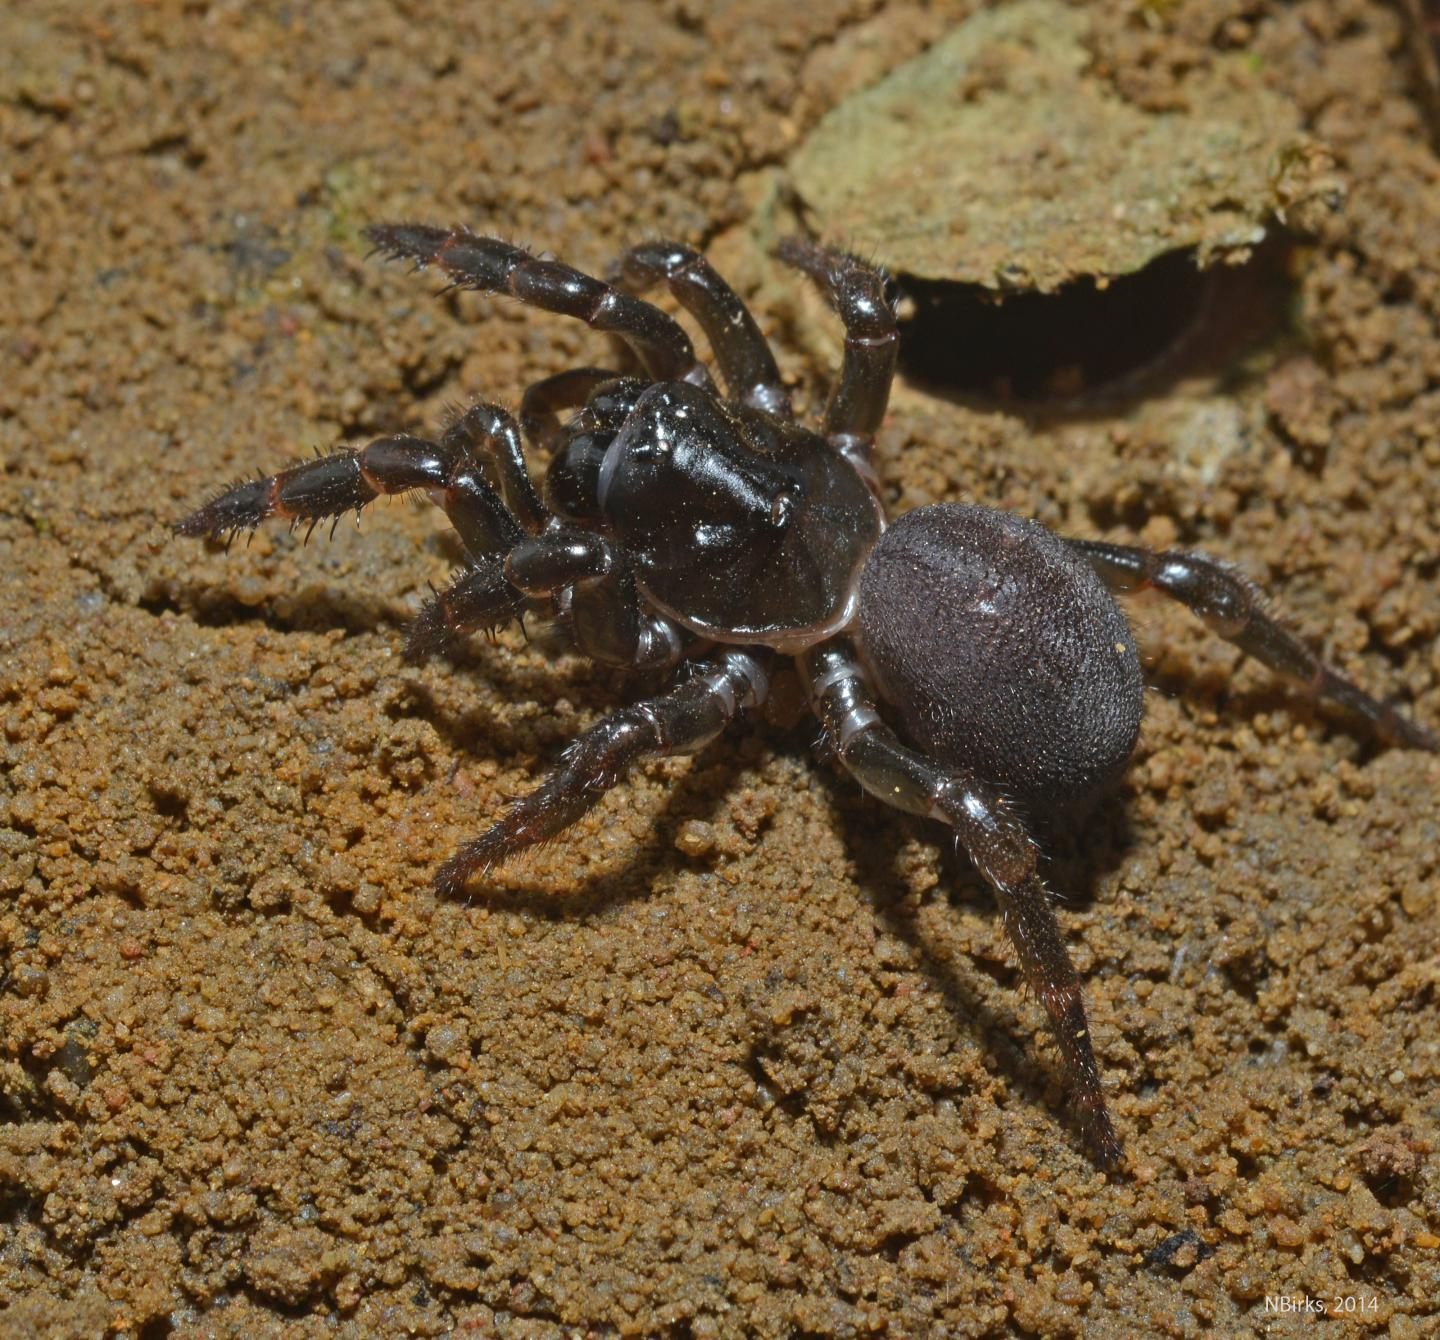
(1003,652)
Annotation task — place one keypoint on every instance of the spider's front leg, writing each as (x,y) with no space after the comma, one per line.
(998,844)
(1234,607)
(744,356)
(347,480)
(450,471)
(872,344)
(495,266)
(681,721)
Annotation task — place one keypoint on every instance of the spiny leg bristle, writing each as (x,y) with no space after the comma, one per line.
(240,507)
(417,242)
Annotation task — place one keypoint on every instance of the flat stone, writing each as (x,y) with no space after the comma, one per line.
(999,158)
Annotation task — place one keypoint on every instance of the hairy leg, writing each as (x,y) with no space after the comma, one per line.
(872,342)
(741,350)
(346,480)
(1234,607)
(493,266)
(680,721)
(478,600)
(998,844)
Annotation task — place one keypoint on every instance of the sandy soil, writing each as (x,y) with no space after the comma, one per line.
(744,1055)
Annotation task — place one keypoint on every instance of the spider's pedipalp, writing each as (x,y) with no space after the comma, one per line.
(479,600)
(542,402)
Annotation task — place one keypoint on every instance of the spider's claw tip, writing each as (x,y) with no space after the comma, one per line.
(1412,735)
(418,242)
(429,634)
(449,883)
(1105,1147)
(452,877)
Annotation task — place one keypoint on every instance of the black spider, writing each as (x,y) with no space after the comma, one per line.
(680,526)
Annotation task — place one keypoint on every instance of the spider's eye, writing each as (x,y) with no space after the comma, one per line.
(785,504)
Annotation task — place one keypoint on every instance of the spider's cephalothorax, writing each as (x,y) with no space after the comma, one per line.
(679,525)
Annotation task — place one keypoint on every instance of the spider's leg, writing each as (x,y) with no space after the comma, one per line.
(872,342)
(607,619)
(346,480)
(1000,847)
(493,266)
(543,400)
(744,357)
(679,721)
(1234,607)
(487,432)
(478,600)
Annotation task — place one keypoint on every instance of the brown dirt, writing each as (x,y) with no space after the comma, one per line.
(743,1054)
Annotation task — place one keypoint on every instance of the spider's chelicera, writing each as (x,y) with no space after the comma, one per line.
(679,527)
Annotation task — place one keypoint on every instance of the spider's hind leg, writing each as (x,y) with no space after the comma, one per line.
(1233,607)
(1001,848)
